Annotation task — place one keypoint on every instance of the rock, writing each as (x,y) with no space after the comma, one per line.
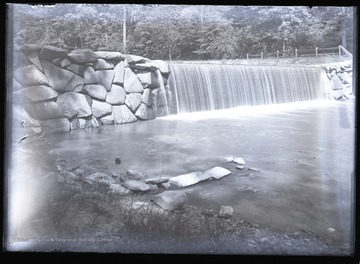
(89,122)
(253,169)
(136,186)
(59,125)
(61,80)
(116,96)
(119,189)
(240,167)
(100,177)
(74,104)
(64,63)
(149,79)
(75,68)
(30,76)
(163,66)
(133,175)
(336,84)
(100,109)
(147,97)
(157,180)
(89,76)
(16,85)
(82,56)
(197,176)
(34,59)
(40,93)
(165,185)
(346,78)
(217,173)
(133,101)
(107,120)
(145,112)
(239,161)
(208,212)
(96,91)
(74,124)
(226,211)
(20,60)
(47,110)
(170,200)
(30,48)
(131,83)
(117,161)
(102,64)
(331,230)
(56,62)
(122,114)
(49,53)
(110,55)
(135,59)
(119,73)
(148,66)
(337,94)
(153,187)
(21,118)
(229,159)
(105,78)
(162,111)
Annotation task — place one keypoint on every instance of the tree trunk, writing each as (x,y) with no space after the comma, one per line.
(124,29)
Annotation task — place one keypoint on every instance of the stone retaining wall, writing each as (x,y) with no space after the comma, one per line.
(57,91)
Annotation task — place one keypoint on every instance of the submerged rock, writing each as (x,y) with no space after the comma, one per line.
(170,200)
(226,211)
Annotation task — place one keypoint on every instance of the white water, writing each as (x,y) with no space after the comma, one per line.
(205,87)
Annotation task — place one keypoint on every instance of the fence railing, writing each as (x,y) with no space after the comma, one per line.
(314,52)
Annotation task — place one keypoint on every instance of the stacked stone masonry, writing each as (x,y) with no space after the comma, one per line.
(340,77)
(61,91)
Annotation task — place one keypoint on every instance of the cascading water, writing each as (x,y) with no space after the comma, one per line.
(204,87)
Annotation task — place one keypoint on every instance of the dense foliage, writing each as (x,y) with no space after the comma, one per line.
(183,31)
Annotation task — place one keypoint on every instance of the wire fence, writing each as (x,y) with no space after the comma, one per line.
(314,52)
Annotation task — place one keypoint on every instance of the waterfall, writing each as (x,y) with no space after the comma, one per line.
(205,87)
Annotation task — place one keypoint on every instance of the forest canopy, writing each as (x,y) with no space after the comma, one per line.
(182,32)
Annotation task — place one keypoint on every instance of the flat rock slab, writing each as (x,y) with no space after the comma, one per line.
(137,186)
(197,176)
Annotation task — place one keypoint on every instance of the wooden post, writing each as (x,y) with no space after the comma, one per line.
(262,55)
(295,53)
(277,54)
(339,51)
(316,52)
(247,56)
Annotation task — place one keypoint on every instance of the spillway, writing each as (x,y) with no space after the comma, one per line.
(206,87)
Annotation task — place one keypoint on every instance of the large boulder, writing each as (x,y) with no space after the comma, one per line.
(30,48)
(133,101)
(21,119)
(89,76)
(122,114)
(147,97)
(150,79)
(74,104)
(135,59)
(119,73)
(145,112)
(49,53)
(107,120)
(96,91)
(61,80)
(148,66)
(30,75)
(163,66)
(116,96)
(105,78)
(102,64)
(47,110)
(110,55)
(82,56)
(336,83)
(170,200)
(100,109)
(131,82)
(40,93)
(34,59)
(134,185)
(58,125)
